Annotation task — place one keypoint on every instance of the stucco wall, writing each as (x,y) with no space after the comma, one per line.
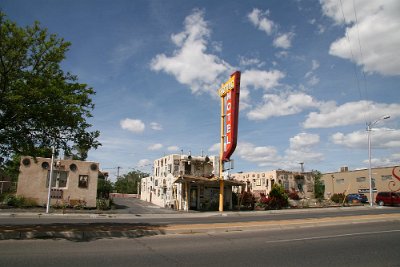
(32,180)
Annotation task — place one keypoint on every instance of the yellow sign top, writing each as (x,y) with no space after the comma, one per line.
(226,87)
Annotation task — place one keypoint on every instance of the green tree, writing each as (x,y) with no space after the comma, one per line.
(319,187)
(40,105)
(128,183)
(104,188)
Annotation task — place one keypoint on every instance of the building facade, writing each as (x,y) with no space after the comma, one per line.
(262,182)
(185,182)
(73,182)
(357,181)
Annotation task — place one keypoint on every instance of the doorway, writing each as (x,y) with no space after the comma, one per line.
(193,198)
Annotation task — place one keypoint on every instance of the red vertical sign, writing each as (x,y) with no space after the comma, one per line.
(232,117)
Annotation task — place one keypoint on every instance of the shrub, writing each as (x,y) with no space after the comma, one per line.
(277,198)
(103,204)
(337,197)
(294,195)
(14,201)
(247,200)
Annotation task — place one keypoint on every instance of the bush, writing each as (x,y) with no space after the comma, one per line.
(337,197)
(277,198)
(293,195)
(103,204)
(19,201)
(247,200)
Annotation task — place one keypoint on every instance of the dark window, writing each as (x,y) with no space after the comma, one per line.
(83,181)
(188,168)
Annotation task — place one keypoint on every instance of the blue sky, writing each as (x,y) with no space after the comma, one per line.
(313,74)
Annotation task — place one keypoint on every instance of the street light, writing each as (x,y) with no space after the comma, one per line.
(369,126)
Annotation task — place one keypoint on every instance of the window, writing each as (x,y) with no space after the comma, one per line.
(60,179)
(361,179)
(387,177)
(286,185)
(188,168)
(340,181)
(83,181)
(258,182)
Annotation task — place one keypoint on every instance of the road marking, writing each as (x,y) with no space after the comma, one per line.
(332,236)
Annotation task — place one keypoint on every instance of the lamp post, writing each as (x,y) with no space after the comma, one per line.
(50,180)
(369,127)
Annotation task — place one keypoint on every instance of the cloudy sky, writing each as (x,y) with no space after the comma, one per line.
(314,73)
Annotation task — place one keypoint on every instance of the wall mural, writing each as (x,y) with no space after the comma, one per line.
(396,174)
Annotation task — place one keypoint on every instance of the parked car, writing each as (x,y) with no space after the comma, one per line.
(357,197)
(387,198)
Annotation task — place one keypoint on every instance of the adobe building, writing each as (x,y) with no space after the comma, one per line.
(357,181)
(262,182)
(73,181)
(185,182)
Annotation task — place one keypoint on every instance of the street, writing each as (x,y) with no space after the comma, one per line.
(366,244)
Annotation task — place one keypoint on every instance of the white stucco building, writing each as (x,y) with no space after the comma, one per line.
(185,182)
(261,182)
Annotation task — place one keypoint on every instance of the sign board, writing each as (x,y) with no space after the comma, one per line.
(231,91)
(366,190)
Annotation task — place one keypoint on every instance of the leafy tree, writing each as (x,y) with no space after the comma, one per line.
(104,188)
(40,105)
(128,183)
(319,187)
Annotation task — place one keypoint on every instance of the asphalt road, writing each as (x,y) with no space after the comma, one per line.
(366,244)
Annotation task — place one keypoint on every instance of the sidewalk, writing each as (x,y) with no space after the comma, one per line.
(97,229)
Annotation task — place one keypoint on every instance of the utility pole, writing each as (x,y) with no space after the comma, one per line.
(118,167)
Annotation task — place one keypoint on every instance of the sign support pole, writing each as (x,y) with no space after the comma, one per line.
(221,162)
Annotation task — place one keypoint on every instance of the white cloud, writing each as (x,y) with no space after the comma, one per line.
(258,154)
(261,21)
(392,160)
(155,147)
(302,148)
(377,29)
(214,148)
(257,79)
(173,148)
(315,64)
(312,78)
(349,113)
(143,163)
(132,125)
(156,126)
(303,140)
(261,79)
(380,138)
(283,40)
(282,105)
(190,64)
(245,62)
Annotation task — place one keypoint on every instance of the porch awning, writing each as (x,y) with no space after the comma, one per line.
(207,181)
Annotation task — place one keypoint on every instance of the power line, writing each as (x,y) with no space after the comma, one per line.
(352,54)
